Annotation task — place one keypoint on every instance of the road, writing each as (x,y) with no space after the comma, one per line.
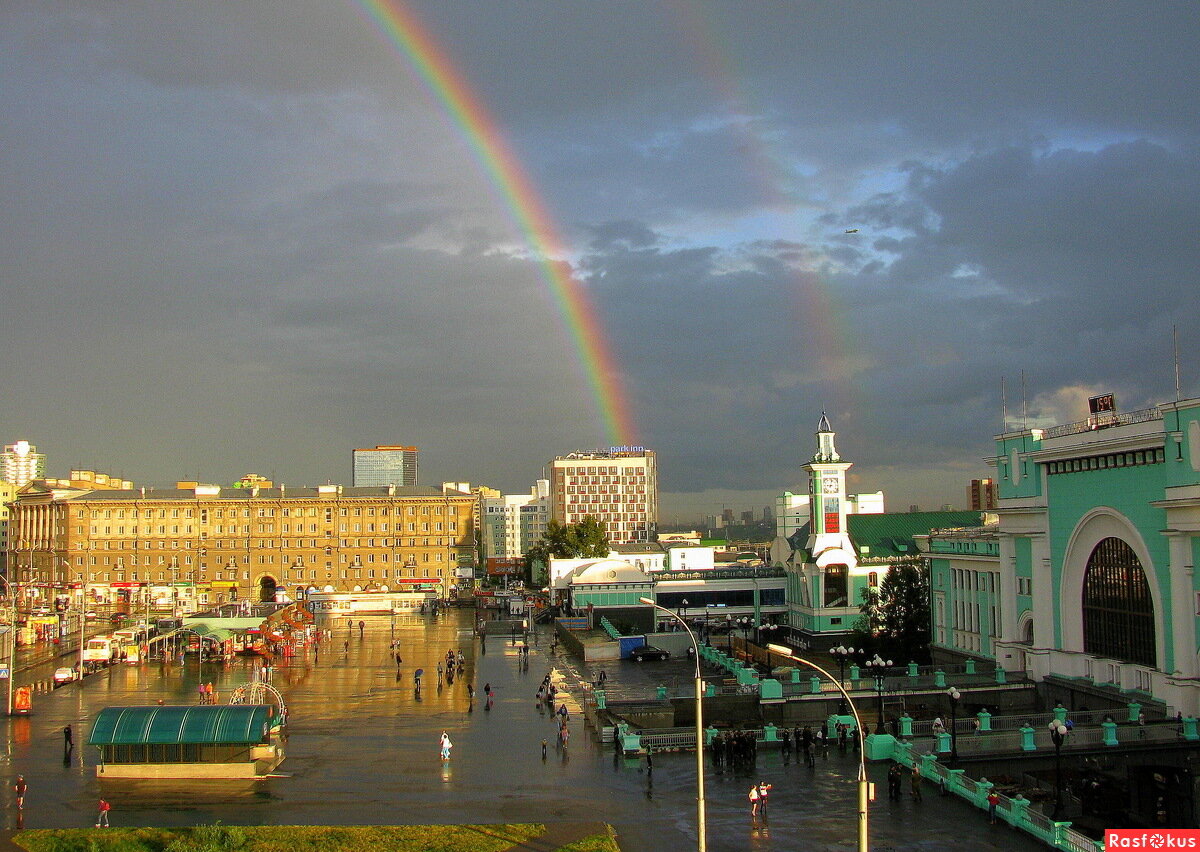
(363,749)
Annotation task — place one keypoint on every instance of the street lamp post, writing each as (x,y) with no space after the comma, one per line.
(879,668)
(841,653)
(701,831)
(863,784)
(1058,733)
(953,694)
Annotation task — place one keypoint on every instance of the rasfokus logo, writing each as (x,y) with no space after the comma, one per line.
(1150,838)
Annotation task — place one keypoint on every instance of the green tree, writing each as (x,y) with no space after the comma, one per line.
(895,617)
(583,540)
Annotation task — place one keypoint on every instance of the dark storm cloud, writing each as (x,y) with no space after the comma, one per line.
(252,233)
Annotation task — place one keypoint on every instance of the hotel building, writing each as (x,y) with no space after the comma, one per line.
(618,486)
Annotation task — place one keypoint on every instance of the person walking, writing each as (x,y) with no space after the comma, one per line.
(102,814)
(764,791)
(753,796)
(362,625)
(914,780)
(446,745)
(20,788)
(68,739)
(993,799)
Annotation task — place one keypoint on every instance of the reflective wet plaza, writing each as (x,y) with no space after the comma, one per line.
(363,749)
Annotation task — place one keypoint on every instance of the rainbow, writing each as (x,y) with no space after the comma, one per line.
(401,29)
(820,319)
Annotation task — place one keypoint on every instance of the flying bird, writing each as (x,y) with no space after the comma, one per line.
(852,231)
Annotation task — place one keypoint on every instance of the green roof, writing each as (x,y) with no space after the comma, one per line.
(891,535)
(199,724)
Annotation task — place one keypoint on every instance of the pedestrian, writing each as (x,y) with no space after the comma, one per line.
(893,778)
(915,782)
(102,814)
(563,713)
(361,626)
(543,751)
(446,745)
(753,796)
(993,799)
(19,788)
(68,738)
(764,790)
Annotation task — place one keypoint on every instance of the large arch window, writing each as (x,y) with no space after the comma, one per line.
(1118,612)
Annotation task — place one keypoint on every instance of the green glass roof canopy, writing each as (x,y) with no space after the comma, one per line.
(200,724)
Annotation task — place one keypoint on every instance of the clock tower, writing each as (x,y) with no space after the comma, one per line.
(827,484)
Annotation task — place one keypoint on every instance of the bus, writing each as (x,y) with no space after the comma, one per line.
(99,650)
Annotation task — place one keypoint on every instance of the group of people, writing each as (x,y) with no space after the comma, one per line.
(735,748)
(207,694)
(896,779)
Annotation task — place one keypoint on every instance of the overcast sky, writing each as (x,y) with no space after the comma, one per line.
(245,236)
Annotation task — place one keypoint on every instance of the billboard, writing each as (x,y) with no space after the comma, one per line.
(501,565)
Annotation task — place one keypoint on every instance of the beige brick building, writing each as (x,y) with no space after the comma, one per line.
(208,544)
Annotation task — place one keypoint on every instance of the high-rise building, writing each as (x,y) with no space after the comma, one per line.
(20,464)
(982,495)
(617,486)
(511,524)
(385,465)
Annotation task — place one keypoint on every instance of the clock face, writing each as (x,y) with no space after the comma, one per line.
(829,485)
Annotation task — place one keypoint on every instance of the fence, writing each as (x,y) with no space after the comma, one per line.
(1013,810)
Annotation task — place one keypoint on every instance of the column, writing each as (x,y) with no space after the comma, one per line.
(1183,621)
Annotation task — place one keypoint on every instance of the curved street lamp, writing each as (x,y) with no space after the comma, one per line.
(863,784)
(701,831)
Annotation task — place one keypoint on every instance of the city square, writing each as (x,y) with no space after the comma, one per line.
(362,749)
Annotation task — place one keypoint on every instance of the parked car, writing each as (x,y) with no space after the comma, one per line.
(66,674)
(648,652)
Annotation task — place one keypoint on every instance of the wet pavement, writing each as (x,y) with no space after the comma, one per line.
(363,749)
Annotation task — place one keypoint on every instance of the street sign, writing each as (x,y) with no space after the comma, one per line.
(3,672)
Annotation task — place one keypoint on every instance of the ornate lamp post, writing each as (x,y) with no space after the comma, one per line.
(878,668)
(766,632)
(1058,734)
(841,653)
(953,694)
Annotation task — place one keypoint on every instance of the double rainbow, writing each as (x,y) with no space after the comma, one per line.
(432,65)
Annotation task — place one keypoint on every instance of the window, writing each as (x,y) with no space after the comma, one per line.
(1118,612)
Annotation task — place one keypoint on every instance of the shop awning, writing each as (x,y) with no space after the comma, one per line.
(200,724)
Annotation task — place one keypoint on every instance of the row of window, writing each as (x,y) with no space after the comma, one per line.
(219,544)
(1107,461)
(266,512)
(604,471)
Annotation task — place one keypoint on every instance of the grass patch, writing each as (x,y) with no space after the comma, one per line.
(594,843)
(291,838)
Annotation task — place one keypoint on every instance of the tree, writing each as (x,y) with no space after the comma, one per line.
(583,540)
(895,617)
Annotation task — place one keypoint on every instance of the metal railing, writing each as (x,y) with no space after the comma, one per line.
(1103,421)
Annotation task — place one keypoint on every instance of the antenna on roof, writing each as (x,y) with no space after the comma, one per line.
(1175,338)
(1003,406)
(1024,405)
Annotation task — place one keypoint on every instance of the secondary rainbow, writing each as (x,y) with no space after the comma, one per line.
(430,63)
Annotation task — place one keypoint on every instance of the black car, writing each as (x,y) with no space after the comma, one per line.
(648,652)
